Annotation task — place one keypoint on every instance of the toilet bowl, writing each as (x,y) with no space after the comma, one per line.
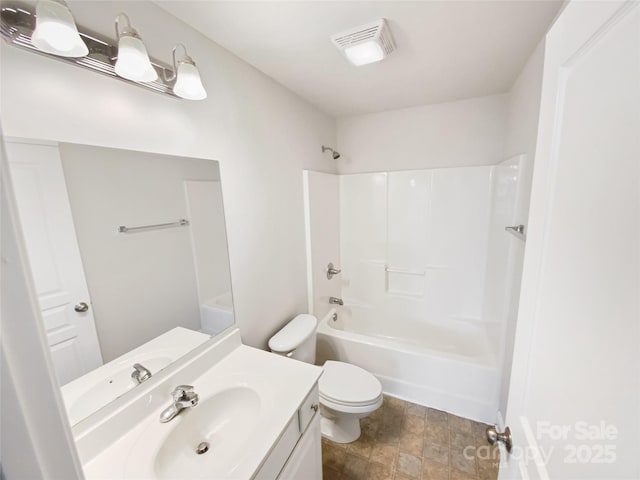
(347,392)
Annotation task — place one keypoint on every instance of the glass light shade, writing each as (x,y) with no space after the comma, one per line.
(56,31)
(133,60)
(188,84)
(363,53)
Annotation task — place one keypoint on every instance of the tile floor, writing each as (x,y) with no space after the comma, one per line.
(404,441)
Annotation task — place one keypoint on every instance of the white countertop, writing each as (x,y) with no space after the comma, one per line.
(281,384)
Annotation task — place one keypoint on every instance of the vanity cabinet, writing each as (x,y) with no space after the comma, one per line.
(297,453)
(305,461)
(258,415)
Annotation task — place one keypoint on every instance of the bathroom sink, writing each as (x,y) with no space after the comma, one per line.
(209,440)
(247,400)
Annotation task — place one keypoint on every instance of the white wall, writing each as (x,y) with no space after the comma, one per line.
(463,133)
(262,134)
(522,119)
(141,284)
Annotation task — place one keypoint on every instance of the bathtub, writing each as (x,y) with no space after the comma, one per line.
(449,366)
(216,314)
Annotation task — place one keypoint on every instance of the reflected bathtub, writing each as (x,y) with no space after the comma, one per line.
(446,366)
(216,315)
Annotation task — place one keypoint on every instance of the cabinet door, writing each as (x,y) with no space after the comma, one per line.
(305,461)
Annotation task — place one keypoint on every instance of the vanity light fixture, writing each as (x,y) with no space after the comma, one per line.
(133,60)
(187,77)
(56,30)
(126,60)
(365,44)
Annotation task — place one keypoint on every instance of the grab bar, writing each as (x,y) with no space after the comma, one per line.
(180,223)
(406,272)
(517,231)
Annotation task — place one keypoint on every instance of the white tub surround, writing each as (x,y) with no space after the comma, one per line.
(415,242)
(268,404)
(427,271)
(322,223)
(510,201)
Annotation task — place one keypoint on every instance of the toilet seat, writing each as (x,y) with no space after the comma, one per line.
(349,388)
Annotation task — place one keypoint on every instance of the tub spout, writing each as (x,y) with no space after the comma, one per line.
(335,301)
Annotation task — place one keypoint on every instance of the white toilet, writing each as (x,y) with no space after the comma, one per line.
(347,392)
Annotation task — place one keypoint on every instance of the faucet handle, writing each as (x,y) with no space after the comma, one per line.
(332,270)
(181,391)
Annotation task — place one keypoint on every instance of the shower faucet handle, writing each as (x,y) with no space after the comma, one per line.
(331,271)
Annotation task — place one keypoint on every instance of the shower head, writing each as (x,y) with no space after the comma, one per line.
(334,154)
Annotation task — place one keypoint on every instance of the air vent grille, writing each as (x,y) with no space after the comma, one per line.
(356,37)
(377,31)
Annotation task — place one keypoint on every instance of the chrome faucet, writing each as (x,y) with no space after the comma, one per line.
(183,397)
(140,373)
(335,301)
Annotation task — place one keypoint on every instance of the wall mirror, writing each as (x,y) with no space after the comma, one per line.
(128,252)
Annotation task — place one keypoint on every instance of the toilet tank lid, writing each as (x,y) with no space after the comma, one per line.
(293,334)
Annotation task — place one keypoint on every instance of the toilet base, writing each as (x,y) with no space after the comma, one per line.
(340,428)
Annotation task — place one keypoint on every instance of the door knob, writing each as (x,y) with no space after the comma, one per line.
(493,436)
(81,307)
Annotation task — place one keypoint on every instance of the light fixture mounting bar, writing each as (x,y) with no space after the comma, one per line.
(17,25)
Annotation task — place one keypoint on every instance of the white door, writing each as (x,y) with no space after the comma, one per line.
(574,397)
(54,257)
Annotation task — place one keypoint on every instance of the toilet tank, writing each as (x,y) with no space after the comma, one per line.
(297,337)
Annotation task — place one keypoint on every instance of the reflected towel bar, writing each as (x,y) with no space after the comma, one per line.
(406,272)
(180,223)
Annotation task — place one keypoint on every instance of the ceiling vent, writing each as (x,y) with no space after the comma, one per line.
(365,44)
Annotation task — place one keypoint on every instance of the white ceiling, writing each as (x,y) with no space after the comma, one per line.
(446,50)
